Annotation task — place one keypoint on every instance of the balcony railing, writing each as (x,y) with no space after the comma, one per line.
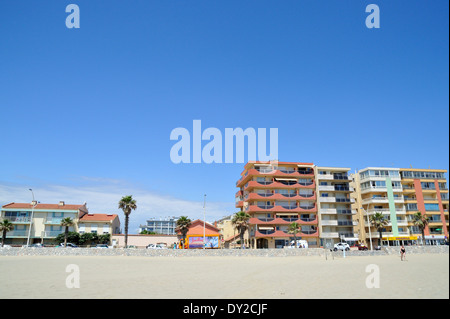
(17,233)
(309,231)
(52,233)
(18,219)
(266,231)
(263,194)
(265,219)
(289,206)
(54,220)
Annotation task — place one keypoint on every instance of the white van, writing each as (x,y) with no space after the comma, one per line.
(300,244)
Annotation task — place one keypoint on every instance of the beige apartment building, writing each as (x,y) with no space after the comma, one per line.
(336,216)
(41,223)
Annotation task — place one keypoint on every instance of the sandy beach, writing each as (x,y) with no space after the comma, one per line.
(421,276)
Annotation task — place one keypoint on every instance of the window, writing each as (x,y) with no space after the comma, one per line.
(324,195)
(94,228)
(323,184)
(427,185)
(106,229)
(432,207)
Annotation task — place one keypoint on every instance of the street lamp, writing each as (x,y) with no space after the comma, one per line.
(34,203)
(204,222)
(368,225)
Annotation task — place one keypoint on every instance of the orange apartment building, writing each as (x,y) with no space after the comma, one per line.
(276,195)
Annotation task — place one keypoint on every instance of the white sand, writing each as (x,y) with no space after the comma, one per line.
(421,276)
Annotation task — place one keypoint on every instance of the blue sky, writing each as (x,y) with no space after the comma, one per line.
(87,113)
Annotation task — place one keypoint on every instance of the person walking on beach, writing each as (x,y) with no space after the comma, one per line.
(402,252)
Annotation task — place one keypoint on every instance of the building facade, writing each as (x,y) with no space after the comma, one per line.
(41,223)
(398,194)
(276,195)
(332,205)
(336,216)
(163,226)
(100,224)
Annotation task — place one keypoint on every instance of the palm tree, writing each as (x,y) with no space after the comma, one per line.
(421,221)
(294,229)
(127,203)
(66,222)
(240,221)
(183,224)
(379,222)
(5,226)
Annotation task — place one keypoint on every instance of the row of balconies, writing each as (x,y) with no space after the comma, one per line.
(280,184)
(281,233)
(277,171)
(325,234)
(279,220)
(335,188)
(330,199)
(281,208)
(27,220)
(294,196)
(24,233)
(338,222)
(382,199)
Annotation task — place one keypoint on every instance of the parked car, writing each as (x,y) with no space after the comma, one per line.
(69,245)
(362,247)
(102,246)
(157,246)
(341,246)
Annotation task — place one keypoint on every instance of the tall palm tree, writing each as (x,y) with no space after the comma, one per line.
(422,222)
(379,222)
(240,221)
(127,203)
(66,222)
(183,224)
(5,226)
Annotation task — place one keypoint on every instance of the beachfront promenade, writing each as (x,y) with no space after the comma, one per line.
(17,251)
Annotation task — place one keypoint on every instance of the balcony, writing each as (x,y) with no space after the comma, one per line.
(17,233)
(280,220)
(336,200)
(53,220)
(52,233)
(334,211)
(327,188)
(382,200)
(18,219)
(347,235)
(329,234)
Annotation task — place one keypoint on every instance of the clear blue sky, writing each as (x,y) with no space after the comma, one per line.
(99,102)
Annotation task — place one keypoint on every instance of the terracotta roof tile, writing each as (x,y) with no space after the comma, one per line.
(98,217)
(43,206)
